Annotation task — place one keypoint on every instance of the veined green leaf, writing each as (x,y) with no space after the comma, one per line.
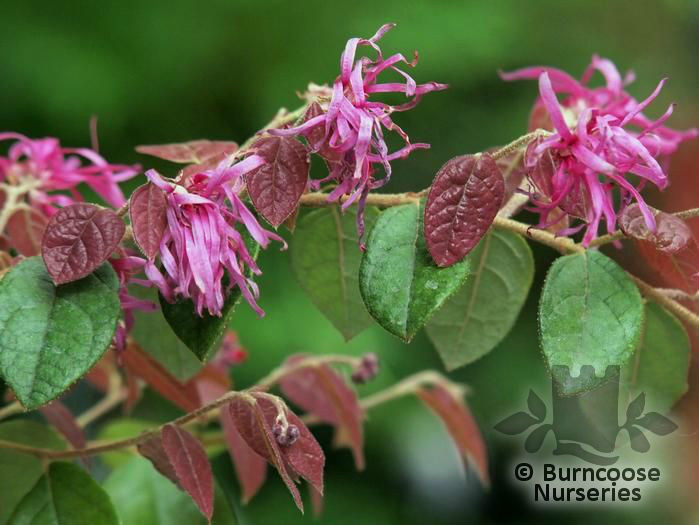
(400,283)
(50,336)
(477,317)
(325,258)
(591,313)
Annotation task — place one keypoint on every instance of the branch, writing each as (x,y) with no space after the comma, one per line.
(100,448)
(618,234)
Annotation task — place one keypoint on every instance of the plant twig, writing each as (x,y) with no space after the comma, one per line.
(10,410)
(100,448)
(618,234)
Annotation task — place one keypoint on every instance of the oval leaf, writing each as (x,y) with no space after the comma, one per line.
(276,187)
(202,335)
(65,494)
(254,428)
(144,497)
(323,392)
(25,229)
(464,198)
(660,365)
(152,449)
(477,317)
(147,210)
(591,314)
(51,336)
(399,283)
(250,467)
(672,233)
(325,261)
(462,428)
(78,239)
(191,465)
(192,152)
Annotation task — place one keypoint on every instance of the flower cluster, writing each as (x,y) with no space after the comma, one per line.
(600,136)
(352,124)
(43,166)
(202,244)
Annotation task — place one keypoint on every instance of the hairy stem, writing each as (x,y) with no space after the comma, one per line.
(100,448)
(618,234)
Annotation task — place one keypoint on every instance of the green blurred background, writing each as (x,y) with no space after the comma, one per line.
(170,71)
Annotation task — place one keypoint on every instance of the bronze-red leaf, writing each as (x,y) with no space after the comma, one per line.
(192,152)
(140,364)
(62,419)
(250,467)
(147,210)
(276,187)
(152,449)
(25,228)
(257,433)
(460,424)
(672,233)
(323,392)
(464,198)
(191,466)
(78,239)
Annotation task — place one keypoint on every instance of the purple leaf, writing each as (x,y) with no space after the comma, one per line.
(257,433)
(140,364)
(323,392)
(78,239)
(250,467)
(191,465)
(147,210)
(464,198)
(276,187)
(460,424)
(672,233)
(25,228)
(192,152)
(62,419)
(152,449)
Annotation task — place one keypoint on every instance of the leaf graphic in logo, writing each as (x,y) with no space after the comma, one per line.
(635,408)
(639,442)
(516,423)
(536,406)
(656,423)
(536,438)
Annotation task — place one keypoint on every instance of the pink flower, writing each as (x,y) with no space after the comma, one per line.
(43,166)
(353,123)
(202,244)
(600,136)
(125,266)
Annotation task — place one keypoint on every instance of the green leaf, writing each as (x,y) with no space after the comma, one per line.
(144,497)
(399,282)
(591,313)
(202,335)
(154,335)
(52,335)
(20,472)
(660,365)
(325,258)
(65,494)
(477,317)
